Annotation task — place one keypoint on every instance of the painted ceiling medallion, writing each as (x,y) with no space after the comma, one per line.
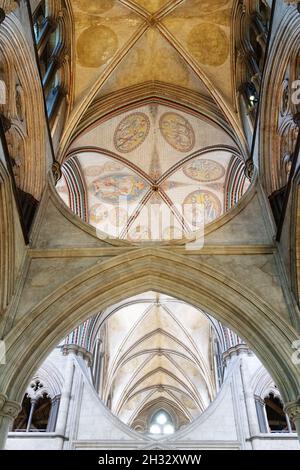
(209,44)
(108,167)
(94,7)
(209,6)
(96,45)
(118,188)
(152,5)
(101,214)
(204,170)
(202,207)
(178,132)
(131,132)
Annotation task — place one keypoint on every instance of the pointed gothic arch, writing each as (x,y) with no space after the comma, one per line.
(151,269)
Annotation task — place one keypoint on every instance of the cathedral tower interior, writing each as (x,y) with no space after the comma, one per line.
(149,224)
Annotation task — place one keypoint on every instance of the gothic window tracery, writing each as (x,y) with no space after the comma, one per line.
(161,423)
(39,410)
(53,52)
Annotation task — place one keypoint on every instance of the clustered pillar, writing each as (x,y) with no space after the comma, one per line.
(9,410)
(292,409)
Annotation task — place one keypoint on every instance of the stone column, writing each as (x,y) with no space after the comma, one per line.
(9,410)
(62,417)
(32,409)
(249,402)
(292,409)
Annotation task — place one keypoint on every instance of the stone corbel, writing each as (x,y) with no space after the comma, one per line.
(78,351)
(292,409)
(249,169)
(9,409)
(56,171)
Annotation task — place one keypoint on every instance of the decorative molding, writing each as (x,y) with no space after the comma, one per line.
(9,409)
(236,351)
(56,171)
(292,409)
(228,250)
(9,6)
(77,351)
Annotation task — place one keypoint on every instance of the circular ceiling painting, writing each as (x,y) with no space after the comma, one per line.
(204,170)
(114,188)
(96,45)
(202,207)
(131,132)
(208,6)
(178,132)
(94,7)
(209,44)
(110,166)
(100,214)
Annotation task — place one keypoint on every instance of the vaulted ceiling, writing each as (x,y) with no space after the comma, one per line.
(154,118)
(157,351)
(153,173)
(180,43)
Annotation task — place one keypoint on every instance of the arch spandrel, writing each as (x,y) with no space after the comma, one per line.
(62,242)
(152,269)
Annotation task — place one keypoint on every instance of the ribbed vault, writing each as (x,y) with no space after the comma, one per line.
(122,43)
(157,349)
(142,270)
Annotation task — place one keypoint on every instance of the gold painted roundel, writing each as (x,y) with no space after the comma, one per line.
(131,132)
(94,7)
(202,206)
(96,45)
(209,44)
(209,6)
(204,170)
(178,132)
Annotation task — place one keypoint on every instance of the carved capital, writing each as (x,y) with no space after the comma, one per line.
(77,351)
(56,171)
(249,169)
(8,6)
(9,409)
(292,409)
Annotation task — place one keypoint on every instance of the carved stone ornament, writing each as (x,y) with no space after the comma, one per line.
(292,409)
(285,100)
(9,409)
(56,171)
(249,169)
(8,6)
